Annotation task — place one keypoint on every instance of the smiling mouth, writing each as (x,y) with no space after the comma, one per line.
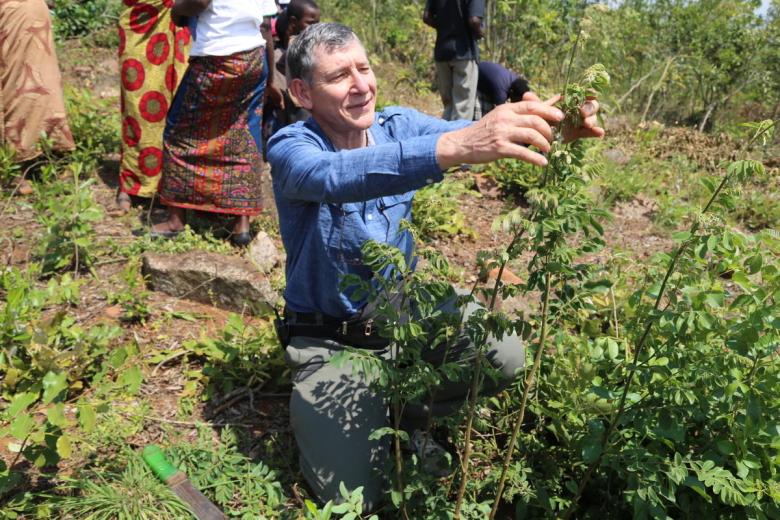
(360,105)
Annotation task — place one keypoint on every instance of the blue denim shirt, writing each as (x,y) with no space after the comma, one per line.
(330,202)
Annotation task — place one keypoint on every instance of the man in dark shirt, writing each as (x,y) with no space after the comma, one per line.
(458,25)
(497,85)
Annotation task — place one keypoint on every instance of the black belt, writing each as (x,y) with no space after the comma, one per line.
(358,332)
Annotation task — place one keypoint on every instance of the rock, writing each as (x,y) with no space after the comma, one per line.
(617,156)
(223,281)
(114,312)
(263,253)
(25,188)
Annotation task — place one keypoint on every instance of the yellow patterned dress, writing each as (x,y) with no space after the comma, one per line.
(152,58)
(31,101)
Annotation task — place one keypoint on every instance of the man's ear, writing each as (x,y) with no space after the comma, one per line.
(302,92)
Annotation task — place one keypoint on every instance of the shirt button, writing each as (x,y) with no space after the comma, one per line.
(429,181)
(380,120)
(370,216)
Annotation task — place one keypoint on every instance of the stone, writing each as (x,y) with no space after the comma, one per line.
(227,282)
(617,156)
(114,312)
(263,253)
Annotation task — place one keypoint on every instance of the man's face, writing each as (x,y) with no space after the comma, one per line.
(311,15)
(342,94)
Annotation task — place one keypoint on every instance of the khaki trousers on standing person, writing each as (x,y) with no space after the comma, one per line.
(457,82)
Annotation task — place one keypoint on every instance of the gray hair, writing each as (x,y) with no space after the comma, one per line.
(300,55)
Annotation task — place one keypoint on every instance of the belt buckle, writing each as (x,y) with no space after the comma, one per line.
(343,328)
(369,327)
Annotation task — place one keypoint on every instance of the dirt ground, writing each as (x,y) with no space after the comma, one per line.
(631,230)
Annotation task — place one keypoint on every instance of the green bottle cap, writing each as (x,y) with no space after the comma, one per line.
(156,460)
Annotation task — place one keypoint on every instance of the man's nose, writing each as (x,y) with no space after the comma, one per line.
(359,82)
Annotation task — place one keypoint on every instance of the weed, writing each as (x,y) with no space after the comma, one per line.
(133,297)
(242,357)
(241,487)
(187,240)
(94,124)
(74,18)
(67,211)
(129,494)
(436,212)
(9,168)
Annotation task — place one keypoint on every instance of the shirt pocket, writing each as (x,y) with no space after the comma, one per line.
(348,233)
(394,209)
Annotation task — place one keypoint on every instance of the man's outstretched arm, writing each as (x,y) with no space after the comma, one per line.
(508,130)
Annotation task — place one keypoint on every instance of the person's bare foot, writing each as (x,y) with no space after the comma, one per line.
(123,202)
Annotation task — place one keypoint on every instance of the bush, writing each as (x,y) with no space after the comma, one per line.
(75,18)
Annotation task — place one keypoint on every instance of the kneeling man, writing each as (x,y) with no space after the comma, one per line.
(345,176)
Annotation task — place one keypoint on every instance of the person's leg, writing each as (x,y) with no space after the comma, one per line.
(505,355)
(444,84)
(332,413)
(175,222)
(465,74)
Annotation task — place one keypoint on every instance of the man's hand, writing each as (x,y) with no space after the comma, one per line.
(509,129)
(589,128)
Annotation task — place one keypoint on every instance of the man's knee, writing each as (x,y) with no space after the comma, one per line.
(354,475)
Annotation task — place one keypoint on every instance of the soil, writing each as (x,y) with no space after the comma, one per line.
(631,231)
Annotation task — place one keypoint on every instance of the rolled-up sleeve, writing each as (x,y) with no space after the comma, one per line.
(305,169)
(311,174)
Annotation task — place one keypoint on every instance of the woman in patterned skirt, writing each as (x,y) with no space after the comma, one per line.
(212,142)
(152,56)
(31,100)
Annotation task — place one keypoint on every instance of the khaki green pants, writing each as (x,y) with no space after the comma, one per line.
(333,411)
(457,83)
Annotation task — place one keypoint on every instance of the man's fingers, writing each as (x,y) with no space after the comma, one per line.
(530,137)
(530,96)
(553,100)
(536,123)
(516,151)
(537,108)
(589,108)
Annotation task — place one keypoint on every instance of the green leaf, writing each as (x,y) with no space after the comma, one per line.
(22,426)
(87,417)
(56,415)
(20,402)
(64,448)
(725,446)
(696,485)
(132,379)
(754,263)
(53,384)
(613,351)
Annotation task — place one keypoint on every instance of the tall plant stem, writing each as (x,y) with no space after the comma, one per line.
(399,468)
(529,383)
(651,319)
(474,391)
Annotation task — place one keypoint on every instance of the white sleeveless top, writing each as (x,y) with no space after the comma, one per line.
(228,26)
